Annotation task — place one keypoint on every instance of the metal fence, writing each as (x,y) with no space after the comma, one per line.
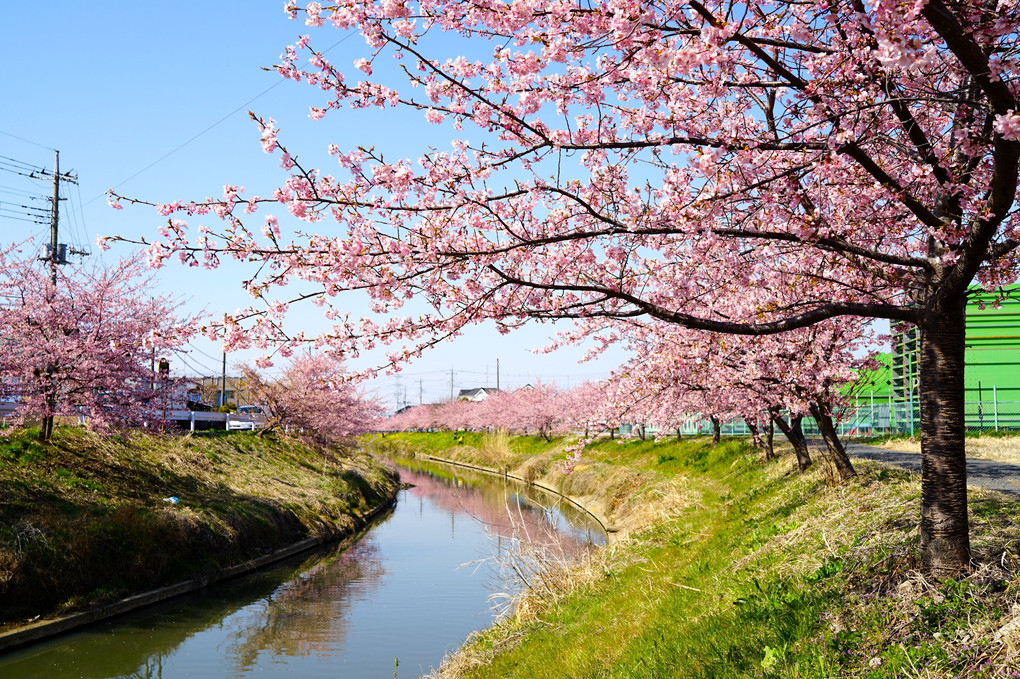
(871,416)
(185,419)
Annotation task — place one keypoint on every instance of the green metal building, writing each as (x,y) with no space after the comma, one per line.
(992,377)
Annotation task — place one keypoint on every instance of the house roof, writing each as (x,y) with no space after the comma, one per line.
(476,394)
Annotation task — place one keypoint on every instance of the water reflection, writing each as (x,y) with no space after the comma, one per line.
(308,615)
(507,509)
(399,592)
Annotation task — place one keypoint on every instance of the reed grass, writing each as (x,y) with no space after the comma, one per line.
(734,567)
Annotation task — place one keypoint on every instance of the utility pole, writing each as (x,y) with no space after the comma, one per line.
(420,401)
(54,217)
(58,253)
(223,381)
(451,384)
(497,374)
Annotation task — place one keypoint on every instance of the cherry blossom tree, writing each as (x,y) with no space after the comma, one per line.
(85,345)
(453,415)
(537,409)
(680,375)
(411,418)
(582,406)
(314,399)
(658,159)
(541,409)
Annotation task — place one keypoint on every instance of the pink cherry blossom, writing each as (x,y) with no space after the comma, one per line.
(85,346)
(314,399)
(1008,125)
(689,164)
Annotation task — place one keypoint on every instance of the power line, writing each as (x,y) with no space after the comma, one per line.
(27,208)
(27,141)
(201,369)
(213,358)
(22,219)
(19,164)
(20,174)
(81,215)
(28,213)
(242,107)
(180,146)
(21,192)
(201,365)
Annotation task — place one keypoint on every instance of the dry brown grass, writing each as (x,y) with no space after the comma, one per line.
(832,524)
(998,448)
(665,499)
(905,444)
(536,466)
(870,524)
(87,514)
(495,451)
(985,639)
(861,534)
(537,573)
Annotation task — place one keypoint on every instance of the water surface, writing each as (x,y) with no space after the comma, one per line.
(410,590)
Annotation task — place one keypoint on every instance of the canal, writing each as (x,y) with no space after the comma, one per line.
(393,603)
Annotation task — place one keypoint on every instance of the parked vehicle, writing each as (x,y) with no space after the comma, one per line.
(248,417)
(251,410)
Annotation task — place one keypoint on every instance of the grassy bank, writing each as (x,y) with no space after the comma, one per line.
(85,520)
(728,567)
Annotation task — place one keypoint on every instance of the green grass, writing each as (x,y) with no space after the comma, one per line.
(436,442)
(755,570)
(84,520)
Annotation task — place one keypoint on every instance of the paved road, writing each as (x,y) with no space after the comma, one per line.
(1000,476)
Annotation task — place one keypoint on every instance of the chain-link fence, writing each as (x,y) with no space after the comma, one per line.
(872,416)
(868,417)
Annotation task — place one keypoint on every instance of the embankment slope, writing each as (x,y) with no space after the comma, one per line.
(89,520)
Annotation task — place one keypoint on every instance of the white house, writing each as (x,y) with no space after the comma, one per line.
(476,394)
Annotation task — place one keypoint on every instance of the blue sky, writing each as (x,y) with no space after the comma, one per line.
(151,99)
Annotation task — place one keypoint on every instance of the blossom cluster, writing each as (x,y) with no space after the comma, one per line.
(85,345)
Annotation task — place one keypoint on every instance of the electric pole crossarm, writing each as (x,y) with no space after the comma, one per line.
(57,254)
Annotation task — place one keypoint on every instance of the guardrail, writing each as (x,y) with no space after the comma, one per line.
(192,419)
(205,420)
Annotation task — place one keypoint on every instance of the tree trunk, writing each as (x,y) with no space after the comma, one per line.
(716,429)
(46,430)
(770,451)
(762,442)
(945,537)
(795,434)
(823,416)
(752,426)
